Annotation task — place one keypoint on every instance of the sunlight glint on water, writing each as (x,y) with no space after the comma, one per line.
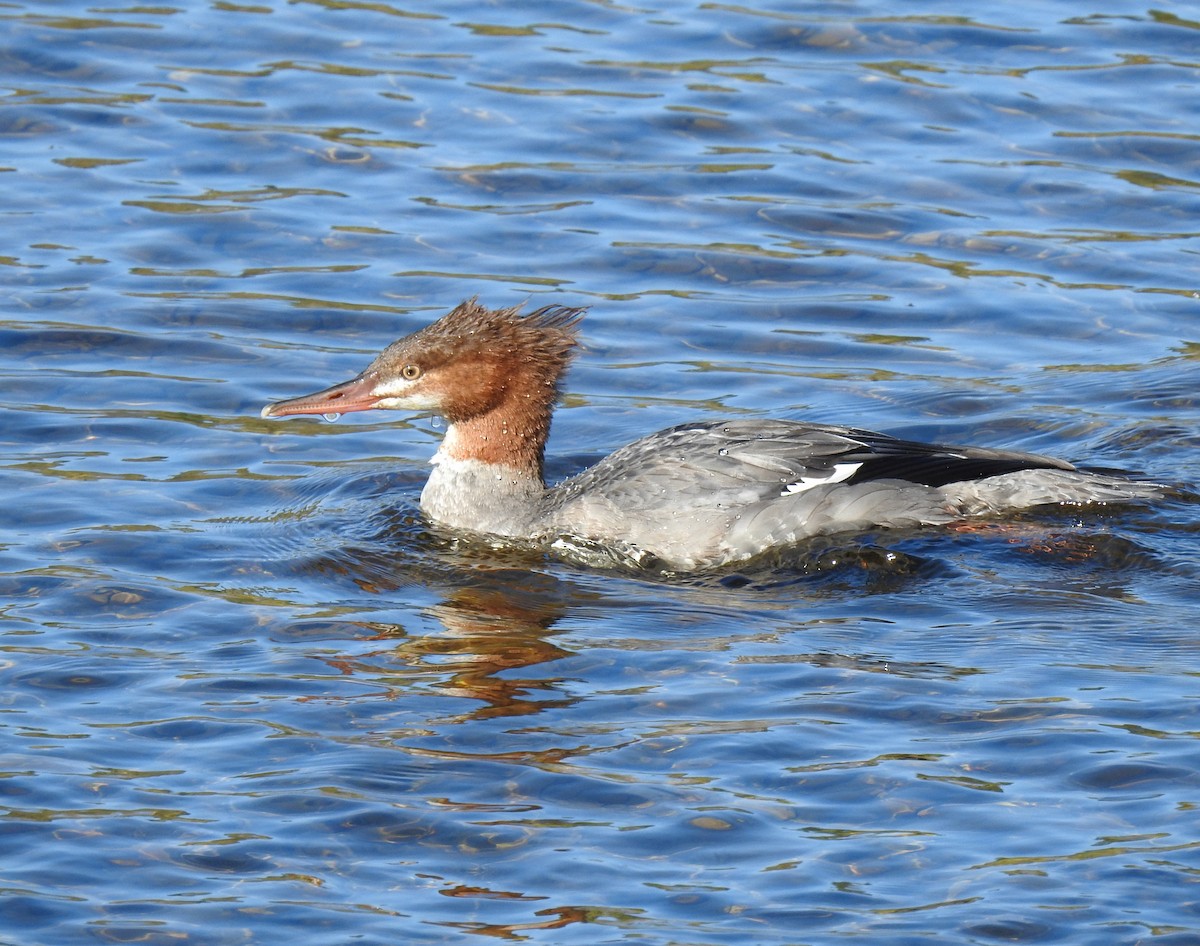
(250,694)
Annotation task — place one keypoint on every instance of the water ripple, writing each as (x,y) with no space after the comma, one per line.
(242,668)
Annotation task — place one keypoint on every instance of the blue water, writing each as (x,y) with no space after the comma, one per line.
(249,696)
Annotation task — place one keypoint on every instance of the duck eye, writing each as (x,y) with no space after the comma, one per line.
(411,372)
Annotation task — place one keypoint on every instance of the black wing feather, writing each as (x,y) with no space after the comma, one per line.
(939,470)
(936,464)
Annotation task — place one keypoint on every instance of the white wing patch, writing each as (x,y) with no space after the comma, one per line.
(840,472)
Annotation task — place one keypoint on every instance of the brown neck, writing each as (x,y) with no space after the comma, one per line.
(512,434)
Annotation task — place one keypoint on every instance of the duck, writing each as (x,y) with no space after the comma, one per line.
(696,496)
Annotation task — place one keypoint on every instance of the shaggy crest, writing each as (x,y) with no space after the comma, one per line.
(549,334)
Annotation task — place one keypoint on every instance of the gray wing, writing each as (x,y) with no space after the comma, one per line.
(783,457)
(814,451)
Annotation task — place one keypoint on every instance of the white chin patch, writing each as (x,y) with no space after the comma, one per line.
(392,389)
(402,403)
(840,472)
(399,396)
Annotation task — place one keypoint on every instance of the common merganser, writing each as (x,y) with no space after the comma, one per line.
(696,496)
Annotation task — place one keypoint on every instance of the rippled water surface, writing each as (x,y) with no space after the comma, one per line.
(250,696)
